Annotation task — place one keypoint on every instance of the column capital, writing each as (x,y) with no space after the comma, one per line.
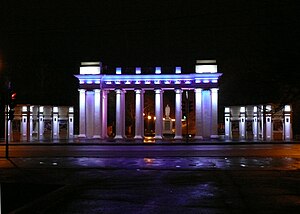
(178,91)
(198,90)
(158,91)
(214,90)
(82,90)
(139,91)
(97,90)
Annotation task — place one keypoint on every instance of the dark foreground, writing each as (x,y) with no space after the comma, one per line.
(185,184)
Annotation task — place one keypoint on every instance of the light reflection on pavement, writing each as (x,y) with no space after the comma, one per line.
(168,163)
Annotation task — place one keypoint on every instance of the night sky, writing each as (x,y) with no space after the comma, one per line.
(256,44)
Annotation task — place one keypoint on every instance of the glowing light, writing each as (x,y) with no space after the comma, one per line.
(156,82)
(242,109)
(197,81)
(128,82)
(227,110)
(178,70)
(167,82)
(287,108)
(187,82)
(97,81)
(154,118)
(81,82)
(205,81)
(117,82)
(214,81)
(157,70)
(41,109)
(137,82)
(89,70)
(206,69)
(89,81)
(149,117)
(71,110)
(147,82)
(118,70)
(108,82)
(55,109)
(177,82)
(24,108)
(138,70)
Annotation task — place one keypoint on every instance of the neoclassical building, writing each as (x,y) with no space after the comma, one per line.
(259,122)
(34,122)
(95,86)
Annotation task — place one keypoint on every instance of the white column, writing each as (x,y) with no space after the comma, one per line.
(178,114)
(123,111)
(242,123)
(24,122)
(207,116)
(214,112)
(158,113)
(82,111)
(269,125)
(142,118)
(287,123)
(55,129)
(71,123)
(41,122)
(97,114)
(255,123)
(104,113)
(198,114)
(227,123)
(119,115)
(90,114)
(138,114)
(30,122)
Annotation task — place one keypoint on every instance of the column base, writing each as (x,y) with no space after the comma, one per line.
(138,137)
(178,137)
(97,137)
(198,138)
(118,137)
(158,137)
(214,136)
(82,136)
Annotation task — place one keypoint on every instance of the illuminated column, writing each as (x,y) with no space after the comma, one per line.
(142,117)
(123,112)
(242,123)
(41,122)
(255,123)
(139,120)
(269,123)
(82,111)
(287,123)
(104,113)
(214,113)
(89,119)
(158,113)
(30,119)
(71,123)
(119,114)
(24,122)
(198,109)
(178,114)
(55,132)
(97,114)
(227,123)
(207,116)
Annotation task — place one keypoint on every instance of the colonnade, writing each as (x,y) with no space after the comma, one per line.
(94,107)
(95,86)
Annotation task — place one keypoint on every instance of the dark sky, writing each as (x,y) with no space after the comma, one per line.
(256,43)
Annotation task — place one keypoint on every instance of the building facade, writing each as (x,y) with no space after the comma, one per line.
(33,122)
(261,122)
(95,86)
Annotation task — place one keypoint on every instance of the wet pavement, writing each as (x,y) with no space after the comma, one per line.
(156,184)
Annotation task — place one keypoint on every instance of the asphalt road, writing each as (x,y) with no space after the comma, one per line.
(238,150)
(254,178)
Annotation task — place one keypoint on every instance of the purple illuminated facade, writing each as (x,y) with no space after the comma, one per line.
(95,86)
